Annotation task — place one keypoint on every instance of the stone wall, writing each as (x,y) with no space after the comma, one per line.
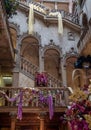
(48,32)
(24,81)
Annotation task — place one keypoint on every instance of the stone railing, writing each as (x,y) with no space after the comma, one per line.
(28,68)
(53,82)
(84,39)
(32,97)
(46,11)
(31,70)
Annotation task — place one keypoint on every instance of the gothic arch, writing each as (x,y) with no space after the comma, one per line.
(35,35)
(52,46)
(30,48)
(15,26)
(68,57)
(68,62)
(52,64)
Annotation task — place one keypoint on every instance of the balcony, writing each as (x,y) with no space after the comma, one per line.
(33,100)
(45,12)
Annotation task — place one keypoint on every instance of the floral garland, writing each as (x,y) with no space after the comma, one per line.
(48,100)
(78,114)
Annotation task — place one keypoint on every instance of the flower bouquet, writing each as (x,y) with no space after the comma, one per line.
(78,113)
(41,79)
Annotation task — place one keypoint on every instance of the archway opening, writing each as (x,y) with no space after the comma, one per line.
(30,50)
(52,62)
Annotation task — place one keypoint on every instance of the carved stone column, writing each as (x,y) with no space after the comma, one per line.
(13,120)
(63,68)
(17,65)
(15,77)
(41,60)
(64,79)
(42,120)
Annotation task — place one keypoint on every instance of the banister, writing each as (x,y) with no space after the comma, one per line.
(31,96)
(30,70)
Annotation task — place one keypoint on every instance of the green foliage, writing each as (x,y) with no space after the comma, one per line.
(10,6)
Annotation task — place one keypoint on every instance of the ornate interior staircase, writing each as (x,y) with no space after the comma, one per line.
(54,86)
(30,70)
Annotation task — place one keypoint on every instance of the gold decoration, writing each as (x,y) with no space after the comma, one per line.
(78,95)
(88,120)
(89,87)
(75,77)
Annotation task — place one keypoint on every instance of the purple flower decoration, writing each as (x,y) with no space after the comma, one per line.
(19,114)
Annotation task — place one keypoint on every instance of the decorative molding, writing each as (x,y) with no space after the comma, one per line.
(15,26)
(52,45)
(71,53)
(71,36)
(35,35)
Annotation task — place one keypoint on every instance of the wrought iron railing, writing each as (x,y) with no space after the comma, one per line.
(46,11)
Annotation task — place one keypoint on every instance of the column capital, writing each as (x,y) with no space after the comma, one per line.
(13,114)
(42,115)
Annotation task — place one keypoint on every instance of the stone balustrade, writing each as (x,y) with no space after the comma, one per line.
(32,97)
(28,68)
(53,82)
(31,70)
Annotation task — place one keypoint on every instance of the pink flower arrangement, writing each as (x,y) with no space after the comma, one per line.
(78,113)
(41,79)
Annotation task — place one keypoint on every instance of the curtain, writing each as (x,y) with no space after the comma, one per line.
(31,19)
(60,24)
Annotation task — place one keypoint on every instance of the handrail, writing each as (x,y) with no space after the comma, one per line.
(31,96)
(30,70)
(53,82)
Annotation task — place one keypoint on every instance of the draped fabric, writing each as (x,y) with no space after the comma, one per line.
(60,24)
(50,103)
(31,19)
